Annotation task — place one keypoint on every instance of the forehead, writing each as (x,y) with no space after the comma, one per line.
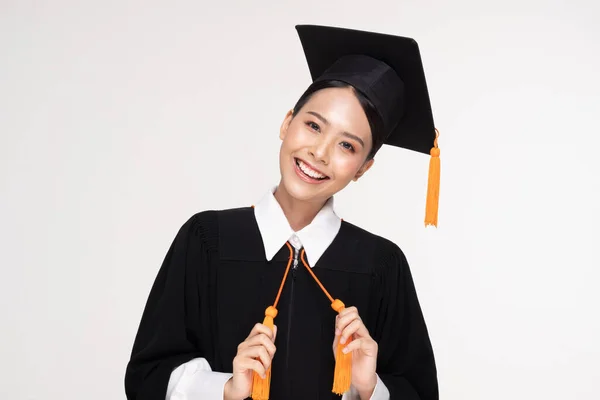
(334,97)
(341,108)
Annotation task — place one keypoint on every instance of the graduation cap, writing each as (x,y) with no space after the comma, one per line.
(388,71)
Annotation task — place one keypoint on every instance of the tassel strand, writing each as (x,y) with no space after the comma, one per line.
(261,387)
(342,375)
(433,185)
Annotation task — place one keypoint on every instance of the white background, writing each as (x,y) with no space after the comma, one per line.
(120,119)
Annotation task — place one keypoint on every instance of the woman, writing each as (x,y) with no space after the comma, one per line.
(199,337)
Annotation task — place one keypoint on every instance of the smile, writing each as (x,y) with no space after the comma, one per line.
(308,173)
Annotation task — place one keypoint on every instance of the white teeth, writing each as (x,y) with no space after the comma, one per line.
(310,172)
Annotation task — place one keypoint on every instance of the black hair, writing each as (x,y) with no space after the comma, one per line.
(375,120)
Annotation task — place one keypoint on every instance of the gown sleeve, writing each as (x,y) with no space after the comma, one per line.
(406,362)
(168,334)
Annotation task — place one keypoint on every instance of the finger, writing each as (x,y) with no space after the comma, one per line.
(261,340)
(345,320)
(366,345)
(355,327)
(348,310)
(259,353)
(348,314)
(252,364)
(258,329)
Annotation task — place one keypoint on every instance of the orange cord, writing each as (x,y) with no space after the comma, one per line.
(287,269)
(342,374)
(315,277)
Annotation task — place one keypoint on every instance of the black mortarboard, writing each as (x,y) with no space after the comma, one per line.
(388,70)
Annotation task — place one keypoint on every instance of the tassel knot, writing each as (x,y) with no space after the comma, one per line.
(337,305)
(271,312)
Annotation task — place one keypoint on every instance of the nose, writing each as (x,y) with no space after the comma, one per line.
(320,150)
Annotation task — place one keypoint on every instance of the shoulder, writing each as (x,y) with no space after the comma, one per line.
(379,242)
(208,225)
(211,217)
(383,251)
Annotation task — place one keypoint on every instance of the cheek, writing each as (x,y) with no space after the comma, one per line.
(347,166)
(297,137)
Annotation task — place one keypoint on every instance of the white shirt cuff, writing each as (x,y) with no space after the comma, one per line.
(195,380)
(380,392)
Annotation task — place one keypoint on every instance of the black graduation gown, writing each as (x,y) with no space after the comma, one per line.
(215,284)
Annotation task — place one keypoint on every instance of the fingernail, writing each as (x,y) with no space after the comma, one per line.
(343,340)
(345,350)
(337,332)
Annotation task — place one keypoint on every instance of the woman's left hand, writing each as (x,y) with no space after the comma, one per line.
(349,328)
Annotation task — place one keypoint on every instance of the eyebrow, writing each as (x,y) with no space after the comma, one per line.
(346,134)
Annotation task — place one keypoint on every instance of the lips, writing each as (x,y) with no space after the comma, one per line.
(308,173)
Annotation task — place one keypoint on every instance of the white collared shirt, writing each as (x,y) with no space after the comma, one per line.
(275,229)
(195,379)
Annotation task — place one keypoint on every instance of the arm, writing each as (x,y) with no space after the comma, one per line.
(169,334)
(405,362)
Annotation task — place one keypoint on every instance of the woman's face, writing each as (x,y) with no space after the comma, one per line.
(325,145)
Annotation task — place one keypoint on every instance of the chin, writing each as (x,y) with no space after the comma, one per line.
(297,190)
(304,192)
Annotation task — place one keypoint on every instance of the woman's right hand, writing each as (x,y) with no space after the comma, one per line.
(254,354)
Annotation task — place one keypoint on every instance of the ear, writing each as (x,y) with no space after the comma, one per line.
(285,124)
(365,167)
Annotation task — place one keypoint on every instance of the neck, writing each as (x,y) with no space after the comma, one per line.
(298,213)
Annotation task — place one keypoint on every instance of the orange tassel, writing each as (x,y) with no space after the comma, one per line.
(342,375)
(433,186)
(260,386)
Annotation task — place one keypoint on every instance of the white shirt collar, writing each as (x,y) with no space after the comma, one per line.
(275,228)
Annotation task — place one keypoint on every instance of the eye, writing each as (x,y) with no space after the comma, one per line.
(314,126)
(348,146)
